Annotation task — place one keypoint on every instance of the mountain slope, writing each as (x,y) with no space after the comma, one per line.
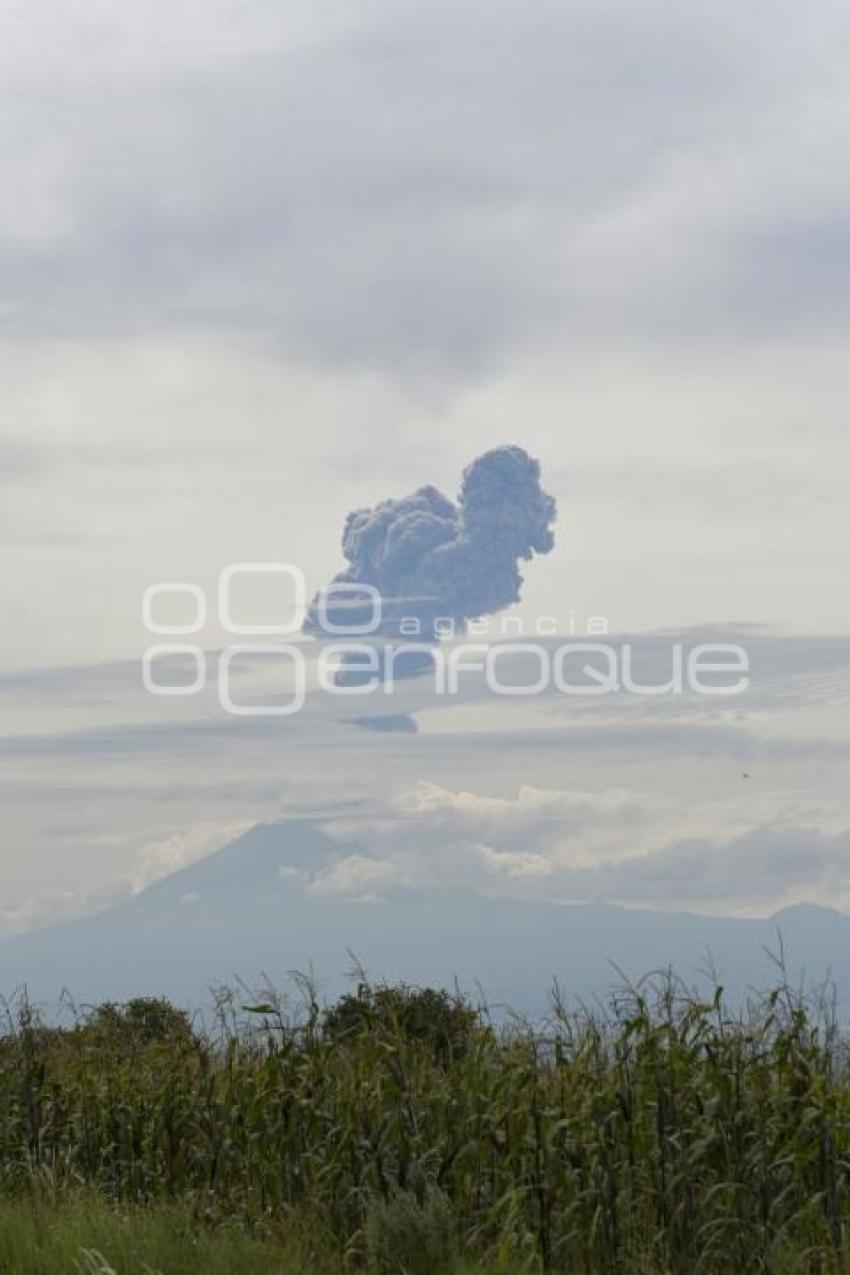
(250,909)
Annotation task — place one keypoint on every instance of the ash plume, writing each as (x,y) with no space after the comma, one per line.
(430,557)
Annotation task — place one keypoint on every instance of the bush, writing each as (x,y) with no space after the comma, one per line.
(140,1021)
(446,1023)
(408,1234)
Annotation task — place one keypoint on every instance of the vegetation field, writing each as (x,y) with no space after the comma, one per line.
(401,1130)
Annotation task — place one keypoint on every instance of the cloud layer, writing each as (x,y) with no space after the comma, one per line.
(610,845)
(409,185)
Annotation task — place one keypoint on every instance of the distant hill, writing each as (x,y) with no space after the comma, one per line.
(250,909)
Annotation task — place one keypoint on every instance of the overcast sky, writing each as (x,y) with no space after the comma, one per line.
(263,262)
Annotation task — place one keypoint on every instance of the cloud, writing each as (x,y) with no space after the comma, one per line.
(430,558)
(437,837)
(540,816)
(764,868)
(153,861)
(161,858)
(267,250)
(20,461)
(314,182)
(51,907)
(750,854)
(459,865)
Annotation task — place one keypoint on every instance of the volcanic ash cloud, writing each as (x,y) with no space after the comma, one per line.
(430,557)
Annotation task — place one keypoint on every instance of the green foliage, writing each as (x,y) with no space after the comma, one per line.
(666,1135)
(410,1233)
(81,1235)
(140,1021)
(446,1024)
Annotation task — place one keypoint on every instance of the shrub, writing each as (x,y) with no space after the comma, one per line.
(409,1234)
(434,1017)
(142,1020)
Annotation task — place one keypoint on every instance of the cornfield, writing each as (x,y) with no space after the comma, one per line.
(661,1133)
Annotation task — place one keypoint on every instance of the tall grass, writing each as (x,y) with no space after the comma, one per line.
(663,1134)
(81,1235)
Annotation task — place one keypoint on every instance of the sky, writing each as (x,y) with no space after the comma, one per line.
(266,262)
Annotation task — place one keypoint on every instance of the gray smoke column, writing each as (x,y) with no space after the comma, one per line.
(430,557)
